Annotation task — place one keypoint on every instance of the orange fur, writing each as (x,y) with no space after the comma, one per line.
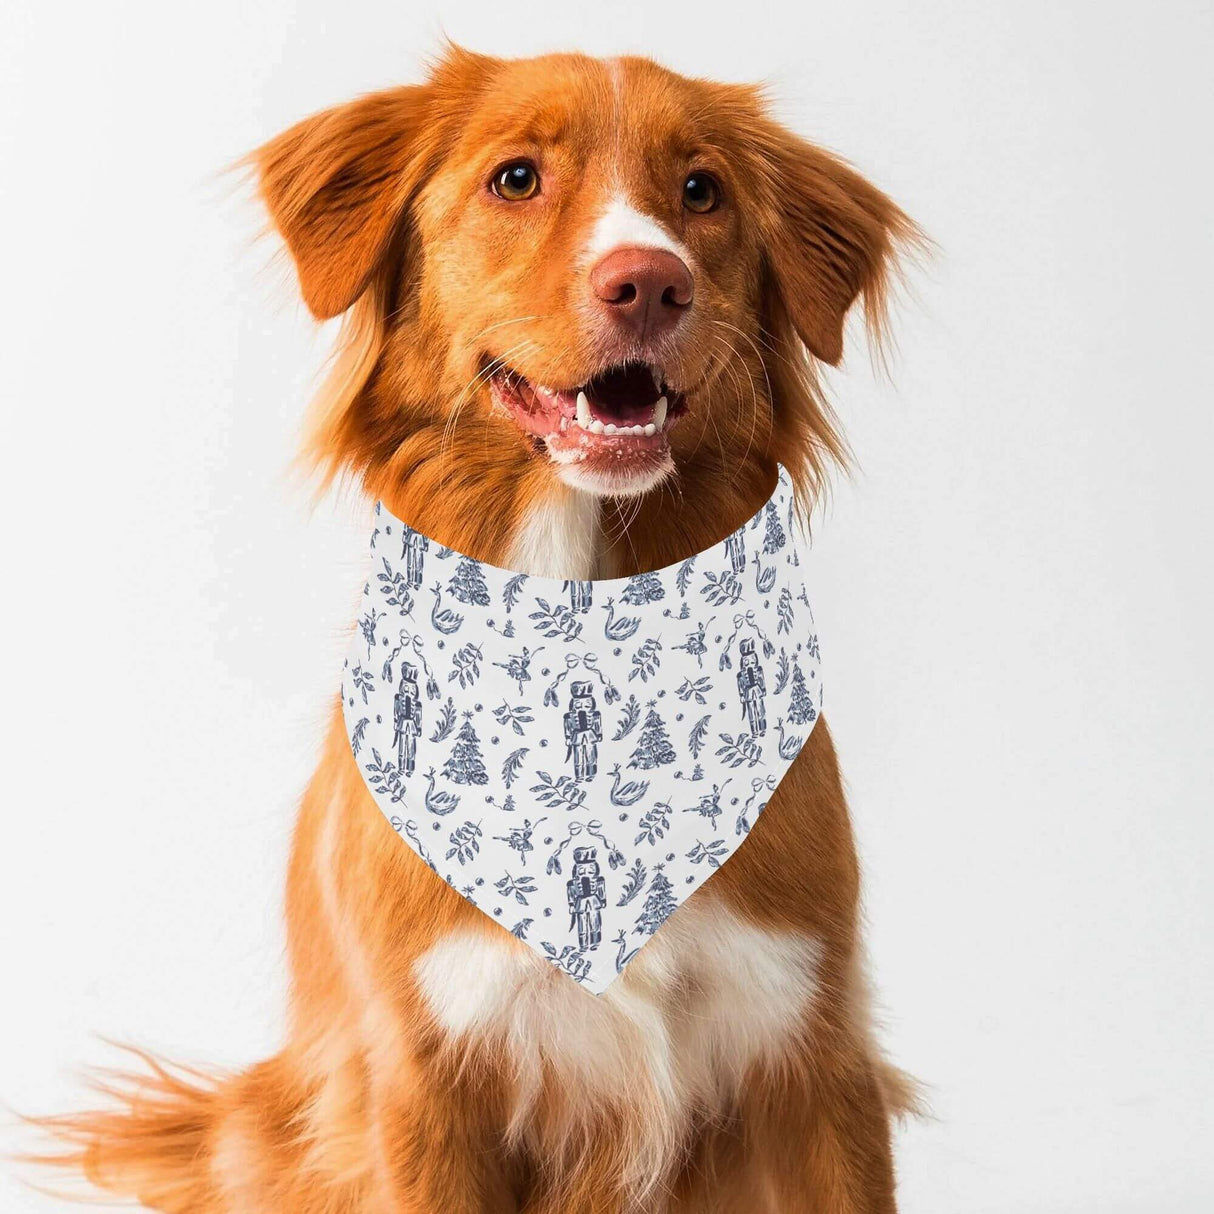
(370,1106)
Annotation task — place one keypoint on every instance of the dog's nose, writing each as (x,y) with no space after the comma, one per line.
(647,289)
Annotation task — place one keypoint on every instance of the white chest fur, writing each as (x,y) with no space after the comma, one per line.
(560,537)
(710,995)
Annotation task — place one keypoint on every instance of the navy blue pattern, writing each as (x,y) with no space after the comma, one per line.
(577,757)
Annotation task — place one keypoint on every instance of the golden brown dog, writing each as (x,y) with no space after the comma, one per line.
(498,238)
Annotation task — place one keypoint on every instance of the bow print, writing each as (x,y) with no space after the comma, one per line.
(615,857)
(740,621)
(587,661)
(413,642)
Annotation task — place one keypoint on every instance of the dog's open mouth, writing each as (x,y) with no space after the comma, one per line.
(619,418)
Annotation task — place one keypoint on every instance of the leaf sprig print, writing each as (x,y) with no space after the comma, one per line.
(683,578)
(654,823)
(515,717)
(739,750)
(445,723)
(568,959)
(363,680)
(698,736)
(714,852)
(512,590)
(697,689)
(465,842)
(513,765)
(721,591)
(395,588)
(783,670)
(628,720)
(556,620)
(784,610)
(561,793)
(383,777)
(466,665)
(516,887)
(634,882)
(646,660)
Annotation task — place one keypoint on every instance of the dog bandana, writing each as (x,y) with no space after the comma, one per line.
(577,757)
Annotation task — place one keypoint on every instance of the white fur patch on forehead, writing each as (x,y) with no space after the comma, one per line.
(622,226)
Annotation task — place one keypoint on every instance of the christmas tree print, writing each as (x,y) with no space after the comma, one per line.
(653,748)
(643,588)
(660,904)
(800,706)
(468,582)
(465,765)
(773,535)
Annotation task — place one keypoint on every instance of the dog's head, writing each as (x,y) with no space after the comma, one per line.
(597,267)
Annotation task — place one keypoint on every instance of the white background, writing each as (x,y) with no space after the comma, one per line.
(1014,591)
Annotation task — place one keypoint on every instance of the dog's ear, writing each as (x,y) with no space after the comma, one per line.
(830,238)
(337,183)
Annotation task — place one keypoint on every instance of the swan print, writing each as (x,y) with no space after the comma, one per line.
(577,757)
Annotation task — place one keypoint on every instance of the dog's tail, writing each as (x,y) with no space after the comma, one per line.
(180,1141)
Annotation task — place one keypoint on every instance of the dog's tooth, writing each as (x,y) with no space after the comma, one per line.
(584,417)
(564,423)
(595,427)
(650,429)
(610,428)
(659,413)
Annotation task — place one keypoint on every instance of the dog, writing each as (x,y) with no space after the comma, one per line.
(584,302)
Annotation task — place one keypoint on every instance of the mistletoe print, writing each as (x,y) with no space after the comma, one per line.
(577,757)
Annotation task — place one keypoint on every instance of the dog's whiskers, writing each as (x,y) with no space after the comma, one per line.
(754,396)
(466,394)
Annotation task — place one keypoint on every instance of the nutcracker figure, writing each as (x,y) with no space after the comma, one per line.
(407,719)
(583,731)
(735,546)
(587,894)
(752,688)
(580,594)
(411,550)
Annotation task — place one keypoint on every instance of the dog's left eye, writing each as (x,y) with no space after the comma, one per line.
(701,193)
(516,182)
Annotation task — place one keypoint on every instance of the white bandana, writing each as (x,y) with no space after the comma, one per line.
(577,757)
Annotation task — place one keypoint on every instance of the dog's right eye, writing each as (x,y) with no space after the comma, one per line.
(516,182)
